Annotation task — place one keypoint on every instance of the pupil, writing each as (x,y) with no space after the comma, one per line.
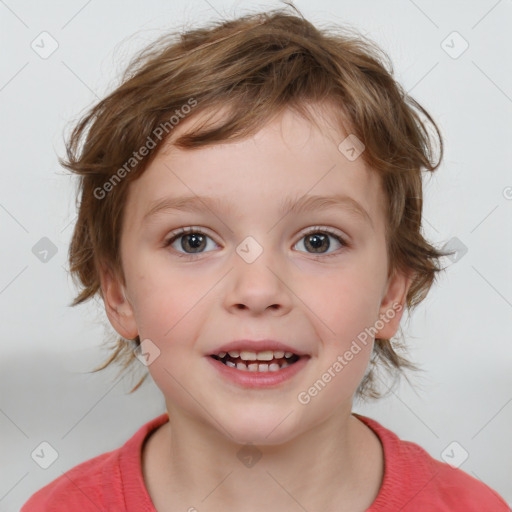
(317,241)
(197,241)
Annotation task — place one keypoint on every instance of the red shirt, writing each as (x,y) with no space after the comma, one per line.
(413,481)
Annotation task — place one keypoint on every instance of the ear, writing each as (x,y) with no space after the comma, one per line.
(118,308)
(392,305)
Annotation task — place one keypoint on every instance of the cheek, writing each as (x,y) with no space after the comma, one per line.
(165,300)
(342,369)
(344,303)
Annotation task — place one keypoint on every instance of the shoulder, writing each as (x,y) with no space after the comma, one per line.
(459,489)
(415,481)
(105,482)
(452,488)
(80,488)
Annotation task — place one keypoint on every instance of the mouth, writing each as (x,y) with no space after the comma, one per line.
(264,369)
(261,362)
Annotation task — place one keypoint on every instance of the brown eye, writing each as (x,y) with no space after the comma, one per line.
(318,241)
(195,241)
(188,242)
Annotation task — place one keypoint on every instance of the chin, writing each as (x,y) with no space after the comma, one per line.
(262,427)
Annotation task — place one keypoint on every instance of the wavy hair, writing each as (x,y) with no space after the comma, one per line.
(255,66)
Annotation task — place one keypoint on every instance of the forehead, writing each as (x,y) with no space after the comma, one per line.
(287,159)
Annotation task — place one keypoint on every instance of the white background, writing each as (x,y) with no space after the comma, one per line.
(460,335)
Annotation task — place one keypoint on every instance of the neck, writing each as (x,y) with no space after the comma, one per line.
(337,462)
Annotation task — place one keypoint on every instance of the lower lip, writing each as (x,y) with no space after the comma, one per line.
(249,379)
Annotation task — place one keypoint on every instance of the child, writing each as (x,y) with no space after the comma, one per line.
(250,214)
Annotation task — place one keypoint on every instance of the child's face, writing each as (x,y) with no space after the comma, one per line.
(317,302)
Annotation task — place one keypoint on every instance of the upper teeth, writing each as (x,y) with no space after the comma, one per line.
(266,355)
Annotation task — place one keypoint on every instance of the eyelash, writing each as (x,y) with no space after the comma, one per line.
(317,229)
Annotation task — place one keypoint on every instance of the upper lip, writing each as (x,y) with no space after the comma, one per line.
(257,346)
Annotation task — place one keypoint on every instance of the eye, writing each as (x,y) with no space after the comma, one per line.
(193,242)
(191,239)
(317,239)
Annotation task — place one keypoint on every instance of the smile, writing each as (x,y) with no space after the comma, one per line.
(258,369)
(265,361)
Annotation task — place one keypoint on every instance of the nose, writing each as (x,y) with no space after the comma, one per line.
(258,286)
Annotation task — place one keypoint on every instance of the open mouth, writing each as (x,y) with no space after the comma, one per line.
(265,361)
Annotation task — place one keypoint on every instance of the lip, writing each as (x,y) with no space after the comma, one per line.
(257,346)
(249,379)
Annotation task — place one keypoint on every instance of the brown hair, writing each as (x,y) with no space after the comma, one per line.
(256,66)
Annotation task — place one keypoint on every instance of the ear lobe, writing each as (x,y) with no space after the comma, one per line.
(393,303)
(118,308)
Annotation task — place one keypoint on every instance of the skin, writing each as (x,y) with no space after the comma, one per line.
(315,456)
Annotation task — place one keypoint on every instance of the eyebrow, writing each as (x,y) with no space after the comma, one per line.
(290,205)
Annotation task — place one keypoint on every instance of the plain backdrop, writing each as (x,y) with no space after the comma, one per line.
(453,57)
